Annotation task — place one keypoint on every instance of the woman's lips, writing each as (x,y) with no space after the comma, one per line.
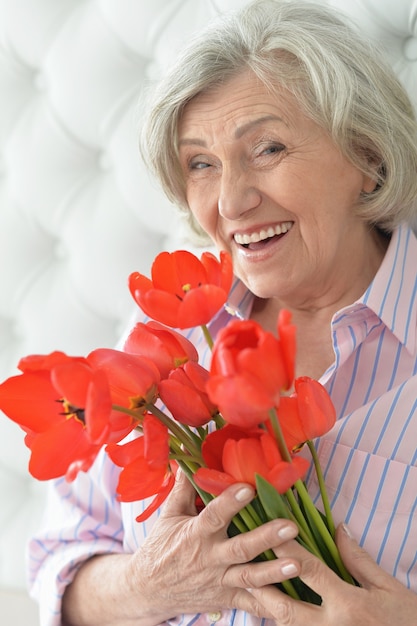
(257,239)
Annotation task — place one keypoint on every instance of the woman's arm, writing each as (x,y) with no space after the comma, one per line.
(101,594)
(188,564)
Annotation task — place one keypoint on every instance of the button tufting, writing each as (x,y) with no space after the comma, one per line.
(104,161)
(60,251)
(39,81)
(16,329)
(410,48)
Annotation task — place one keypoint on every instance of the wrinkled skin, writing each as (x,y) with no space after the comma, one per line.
(214,569)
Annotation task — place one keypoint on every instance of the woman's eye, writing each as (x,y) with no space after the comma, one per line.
(198,162)
(199,165)
(273,148)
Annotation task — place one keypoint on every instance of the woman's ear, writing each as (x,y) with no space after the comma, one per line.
(369,184)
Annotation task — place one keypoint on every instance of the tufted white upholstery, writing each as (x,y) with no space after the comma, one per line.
(78,211)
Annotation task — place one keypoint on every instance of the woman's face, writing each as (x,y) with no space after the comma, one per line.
(268,185)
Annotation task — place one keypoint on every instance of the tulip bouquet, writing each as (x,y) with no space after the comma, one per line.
(154,407)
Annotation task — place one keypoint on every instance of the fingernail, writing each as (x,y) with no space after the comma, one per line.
(287,532)
(346,530)
(289,570)
(245,493)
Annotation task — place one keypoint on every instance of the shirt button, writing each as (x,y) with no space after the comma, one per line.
(215,616)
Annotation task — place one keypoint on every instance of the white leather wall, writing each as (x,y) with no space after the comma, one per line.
(78,212)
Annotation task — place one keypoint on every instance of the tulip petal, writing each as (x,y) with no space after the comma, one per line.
(291,422)
(139,284)
(283,475)
(213,444)
(163,346)
(158,500)
(200,305)
(138,481)
(129,376)
(71,380)
(212,481)
(316,409)
(126,453)
(244,459)
(184,403)
(98,408)
(156,450)
(54,450)
(31,400)
(220,274)
(287,334)
(161,305)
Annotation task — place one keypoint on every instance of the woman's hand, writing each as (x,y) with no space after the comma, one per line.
(380,601)
(188,564)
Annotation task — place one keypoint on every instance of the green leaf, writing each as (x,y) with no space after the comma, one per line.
(257,505)
(272,502)
(321,543)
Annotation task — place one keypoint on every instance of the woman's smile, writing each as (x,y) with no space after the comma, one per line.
(249,240)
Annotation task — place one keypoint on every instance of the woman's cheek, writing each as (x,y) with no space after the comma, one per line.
(204,207)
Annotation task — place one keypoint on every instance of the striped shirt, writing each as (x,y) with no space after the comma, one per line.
(369,458)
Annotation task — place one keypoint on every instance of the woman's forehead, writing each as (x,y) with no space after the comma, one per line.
(241,102)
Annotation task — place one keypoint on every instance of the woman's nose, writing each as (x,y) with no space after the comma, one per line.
(237,193)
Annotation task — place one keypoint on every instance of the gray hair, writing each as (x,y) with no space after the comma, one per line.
(338,79)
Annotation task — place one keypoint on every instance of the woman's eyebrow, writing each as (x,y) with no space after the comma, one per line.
(239,132)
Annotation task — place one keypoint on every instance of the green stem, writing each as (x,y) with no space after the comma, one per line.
(181,457)
(194,436)
(322,529)
(282,446)
(304,530)
(323,490)
(254,515)
(252,520)
(207,336)
(132,412)
(219,421)
(176,430)
(328,538)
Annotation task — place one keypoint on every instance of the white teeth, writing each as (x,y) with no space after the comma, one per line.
(279,229)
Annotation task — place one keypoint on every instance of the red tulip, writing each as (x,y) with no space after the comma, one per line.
(147,470)
(63,403)
(287,338)
(165,347)
(184,394)
(248,372)
(306,414)
(133,380)
(184,291)
(236,455)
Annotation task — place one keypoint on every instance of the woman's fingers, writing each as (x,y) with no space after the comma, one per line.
(256,575)
(181,500)
(218,514)
(245,547)
(359,562)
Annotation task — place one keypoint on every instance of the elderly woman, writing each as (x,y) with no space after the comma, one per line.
(292,146)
